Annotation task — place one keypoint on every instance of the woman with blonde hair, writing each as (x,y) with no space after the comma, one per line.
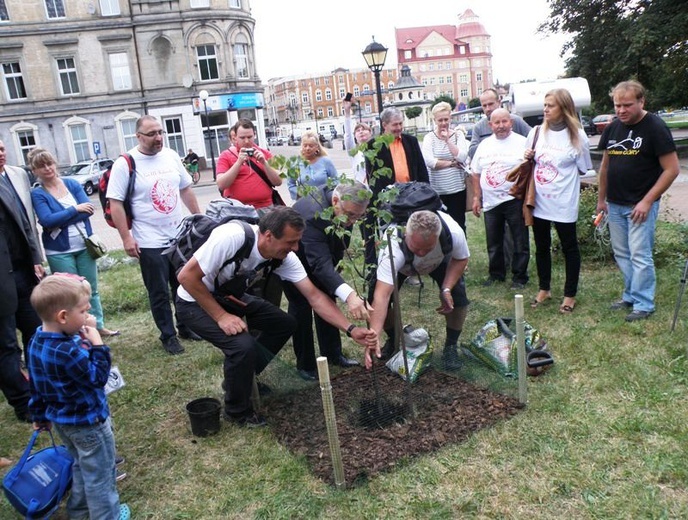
(316,168)
(445,151)
(561,154)
(63,210)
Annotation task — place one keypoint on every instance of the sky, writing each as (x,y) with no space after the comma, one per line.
(295,37)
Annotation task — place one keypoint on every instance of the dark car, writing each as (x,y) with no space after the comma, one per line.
(602,121)
(588,125)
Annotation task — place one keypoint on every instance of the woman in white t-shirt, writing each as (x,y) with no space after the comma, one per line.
(562,152)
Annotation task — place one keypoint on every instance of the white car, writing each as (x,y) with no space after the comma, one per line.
(87,173)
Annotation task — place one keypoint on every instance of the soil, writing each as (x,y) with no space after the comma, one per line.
(374,419)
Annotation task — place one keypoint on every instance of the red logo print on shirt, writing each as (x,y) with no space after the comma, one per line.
(164,197)
(495,176)
(545,171)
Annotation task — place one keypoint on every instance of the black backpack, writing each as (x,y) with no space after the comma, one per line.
(412,197)
(103,186)
(194,231)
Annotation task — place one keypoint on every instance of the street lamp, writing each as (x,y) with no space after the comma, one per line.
(203,94)
(375,55)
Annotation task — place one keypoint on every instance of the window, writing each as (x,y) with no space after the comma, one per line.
(479,76)
(4,15)
(195,4)
(447,65)
(449,79)
(390,85)
(320,112)
(366,89)
(424,81)
(328,94)
(119,69)
(340,78)
(69,84)
(14,81)
(236,4)
(462,49)
(317,82)
(480,91)
(318,95)
(207,62)
(330,112)
(128,131)
(175,139)
(109,7)
(357,91)
(439,66)
(342,92)
(463,78)
(441,80)
(55,8)
(407,55)
(304,98)
(27,141)
(241,57)
(80,145)
(327,81)
(431,66)
(432,81)
(367,107)
(464,92)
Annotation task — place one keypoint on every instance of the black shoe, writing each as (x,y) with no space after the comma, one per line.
(450,358)
(518,286)
(491,281)
(172,345)
(246,420)
(307,375)
(620,305)
(638,315)
(344,362)
(23,416)
(387,350)
(190,335)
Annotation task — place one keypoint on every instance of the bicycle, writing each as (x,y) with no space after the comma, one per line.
(192,170)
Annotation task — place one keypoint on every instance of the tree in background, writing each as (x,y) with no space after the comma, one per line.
(615,40)
(444,97)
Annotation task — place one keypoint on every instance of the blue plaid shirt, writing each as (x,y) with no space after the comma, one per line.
(67,380)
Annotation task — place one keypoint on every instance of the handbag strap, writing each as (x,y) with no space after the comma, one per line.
(14,474)
(535,138)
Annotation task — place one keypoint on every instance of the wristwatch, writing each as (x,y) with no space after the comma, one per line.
(350,329)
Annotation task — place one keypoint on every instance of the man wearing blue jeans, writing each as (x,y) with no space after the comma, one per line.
(161,185)
(639,164)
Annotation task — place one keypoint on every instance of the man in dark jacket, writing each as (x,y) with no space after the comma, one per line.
(20,270)
(320,251)
(400,161)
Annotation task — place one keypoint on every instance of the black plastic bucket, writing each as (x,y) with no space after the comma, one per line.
(204,414)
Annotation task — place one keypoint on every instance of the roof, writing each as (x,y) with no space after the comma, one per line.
(410,37)
(469,26)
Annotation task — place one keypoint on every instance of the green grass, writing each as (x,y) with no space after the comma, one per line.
(604,435)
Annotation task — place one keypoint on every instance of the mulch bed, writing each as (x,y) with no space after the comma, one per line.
(376,433)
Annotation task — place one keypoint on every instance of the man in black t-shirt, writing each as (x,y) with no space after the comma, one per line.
(638,166)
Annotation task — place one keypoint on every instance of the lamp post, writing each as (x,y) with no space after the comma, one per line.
(203,94)
(375,55)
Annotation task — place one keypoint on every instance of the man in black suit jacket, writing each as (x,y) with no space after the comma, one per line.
(320,251)
(400,161)
(20,270)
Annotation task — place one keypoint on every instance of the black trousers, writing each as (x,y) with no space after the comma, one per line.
(245,355)
(543,254)
(12,382)
(329,339)
(510,212)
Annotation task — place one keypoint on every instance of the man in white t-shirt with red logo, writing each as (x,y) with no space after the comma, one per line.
(494,158)
(161,183)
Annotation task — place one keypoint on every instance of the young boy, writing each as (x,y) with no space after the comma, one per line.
(68,367)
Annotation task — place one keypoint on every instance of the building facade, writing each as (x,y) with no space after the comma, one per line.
(311,102)
(448,59)
(76,75)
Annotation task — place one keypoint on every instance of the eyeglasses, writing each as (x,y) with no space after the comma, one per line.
(153,133)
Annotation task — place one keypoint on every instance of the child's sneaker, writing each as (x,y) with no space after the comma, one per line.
(119,460)
(124,512)
(121,475)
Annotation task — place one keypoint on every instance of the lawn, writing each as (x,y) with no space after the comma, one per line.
(603,437)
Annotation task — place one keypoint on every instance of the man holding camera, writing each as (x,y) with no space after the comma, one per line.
(243,172)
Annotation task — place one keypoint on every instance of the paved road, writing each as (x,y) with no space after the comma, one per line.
(206,191)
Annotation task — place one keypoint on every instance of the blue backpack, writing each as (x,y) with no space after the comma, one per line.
(38,483)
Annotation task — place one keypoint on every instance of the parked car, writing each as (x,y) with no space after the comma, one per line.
(87,173)
(588,125)
(602,121)
(275,141)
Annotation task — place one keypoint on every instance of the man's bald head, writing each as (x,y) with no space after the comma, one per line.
(500,123)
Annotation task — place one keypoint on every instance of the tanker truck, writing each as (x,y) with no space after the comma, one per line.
(527,99)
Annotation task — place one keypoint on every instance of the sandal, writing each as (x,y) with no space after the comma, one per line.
(106,333)
(535,303)
(124,512)
(567,308)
